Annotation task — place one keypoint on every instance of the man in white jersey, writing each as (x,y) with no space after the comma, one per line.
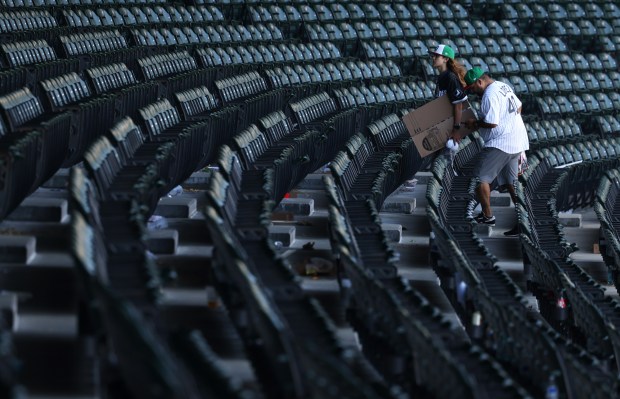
(501,126)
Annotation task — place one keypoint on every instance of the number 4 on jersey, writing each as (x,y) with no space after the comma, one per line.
(512,105)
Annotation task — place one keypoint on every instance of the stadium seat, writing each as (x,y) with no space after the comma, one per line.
(594,62)
(495,66)
(510,64)
(539,63)
(519,46)
(482,30)
(371,12)
(548,106)
(549,85)
(614,76)
(402,12)
(363,30)
(509,12)
(577,82)
(424,29)
(479,62)
(378,30)
(492,46)
(566,107)
(419,48)
(480,49)
(518,84)
(578,105)
(445,12)
(544,45)
(467,29)
(464,47)
(587,29)
(533,84)
(563,83)
(438,28)
(525,64)
(430,12)
(532,44)
(605,103)
(505,46)
(395,31)
(416,11)
(568,65)
(409,30)
(459,11)
(603,29)
(615,99)
(557,44)
(592,83)
(553,63)
(348,31)
(556,11)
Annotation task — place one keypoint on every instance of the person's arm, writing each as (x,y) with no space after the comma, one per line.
(457,112)
(479,123)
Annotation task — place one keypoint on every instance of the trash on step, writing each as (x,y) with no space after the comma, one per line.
(157,222)
(316,266)
(175,191)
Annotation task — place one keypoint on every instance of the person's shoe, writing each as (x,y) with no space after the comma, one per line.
(512,232)
(483,219)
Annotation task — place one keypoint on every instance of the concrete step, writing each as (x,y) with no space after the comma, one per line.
(399,204)
(313,181)
(57,367)
(17,248)
(197,181)
(40,209)
(413,250)
(59,180)
(393,232)
(585,237)
(296,206)
(191,231)
(49,236)
(412,224)
(285,234)
(505,248)
(592,264)
(180,206)
(162,241)
(185,271)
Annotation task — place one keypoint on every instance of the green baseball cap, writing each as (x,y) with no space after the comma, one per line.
(472,75)
(444,50)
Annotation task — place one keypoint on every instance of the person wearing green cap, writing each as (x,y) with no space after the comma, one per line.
(501,126)
(450,81)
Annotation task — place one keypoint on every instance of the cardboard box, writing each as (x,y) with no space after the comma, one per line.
(431,124)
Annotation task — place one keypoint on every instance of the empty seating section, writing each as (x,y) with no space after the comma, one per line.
(605,201)
(474,275)
(27,53)
(162,65)
(135,96)
(593,316)
(110,77)
(95,42)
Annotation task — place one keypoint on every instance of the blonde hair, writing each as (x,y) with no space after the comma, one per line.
(458,70)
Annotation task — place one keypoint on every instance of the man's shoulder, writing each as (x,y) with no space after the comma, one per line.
(495,89)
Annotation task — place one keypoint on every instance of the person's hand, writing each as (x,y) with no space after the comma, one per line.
(456,135)
(471,124)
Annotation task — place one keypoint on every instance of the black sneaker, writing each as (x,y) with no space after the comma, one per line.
(512,232)
(483,219)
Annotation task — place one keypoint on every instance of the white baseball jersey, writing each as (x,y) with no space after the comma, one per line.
(500,106)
